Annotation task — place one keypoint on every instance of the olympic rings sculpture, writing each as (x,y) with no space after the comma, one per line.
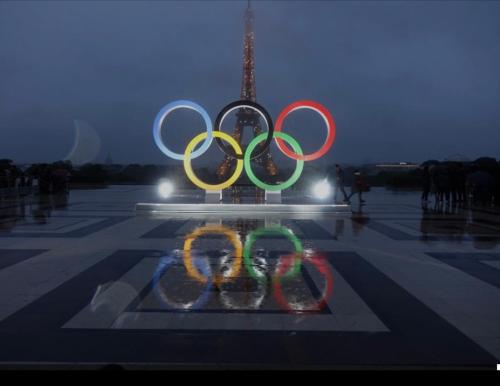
(255,148)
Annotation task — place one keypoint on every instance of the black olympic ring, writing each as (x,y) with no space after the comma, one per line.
(254,106)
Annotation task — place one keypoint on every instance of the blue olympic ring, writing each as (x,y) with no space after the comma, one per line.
(167,109)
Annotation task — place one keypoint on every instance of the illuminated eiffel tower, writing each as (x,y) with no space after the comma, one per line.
(248,117)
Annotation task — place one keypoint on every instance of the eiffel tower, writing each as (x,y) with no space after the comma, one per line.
(248,117)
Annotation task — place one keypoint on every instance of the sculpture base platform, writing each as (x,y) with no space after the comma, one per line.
(178,208)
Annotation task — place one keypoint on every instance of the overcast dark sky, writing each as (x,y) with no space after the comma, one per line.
(404,80)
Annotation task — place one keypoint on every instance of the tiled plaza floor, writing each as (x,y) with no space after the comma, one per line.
(88,281)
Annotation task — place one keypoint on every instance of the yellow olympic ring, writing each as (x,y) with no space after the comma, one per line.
(189,170)
(211,229)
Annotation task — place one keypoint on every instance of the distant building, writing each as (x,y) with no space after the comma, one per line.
(397,166)
(372,169)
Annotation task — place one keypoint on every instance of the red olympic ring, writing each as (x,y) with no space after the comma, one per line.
(321,264)
(330,126)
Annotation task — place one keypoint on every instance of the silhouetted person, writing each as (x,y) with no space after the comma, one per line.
(59,178)
(358,186)
(445,184)
(481,184)
(461,184)
(339,182)
(44,179)
(426,184)
(440,182)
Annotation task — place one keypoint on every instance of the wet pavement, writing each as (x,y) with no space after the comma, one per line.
(86,281)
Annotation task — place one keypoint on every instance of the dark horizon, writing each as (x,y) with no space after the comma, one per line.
(405,81)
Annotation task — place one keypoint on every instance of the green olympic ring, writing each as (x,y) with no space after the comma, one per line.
(248,165)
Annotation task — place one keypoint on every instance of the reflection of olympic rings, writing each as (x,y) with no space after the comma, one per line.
(165,263)
(330,126)
(287,267)
(321,264)
(252,300)
(244,105)
(272,231)
(165,111)
(213,229)
(284,185)
(189,171)
(249,153)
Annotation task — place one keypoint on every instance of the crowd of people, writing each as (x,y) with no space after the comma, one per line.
(447,182)
(453,182)
(47,178)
